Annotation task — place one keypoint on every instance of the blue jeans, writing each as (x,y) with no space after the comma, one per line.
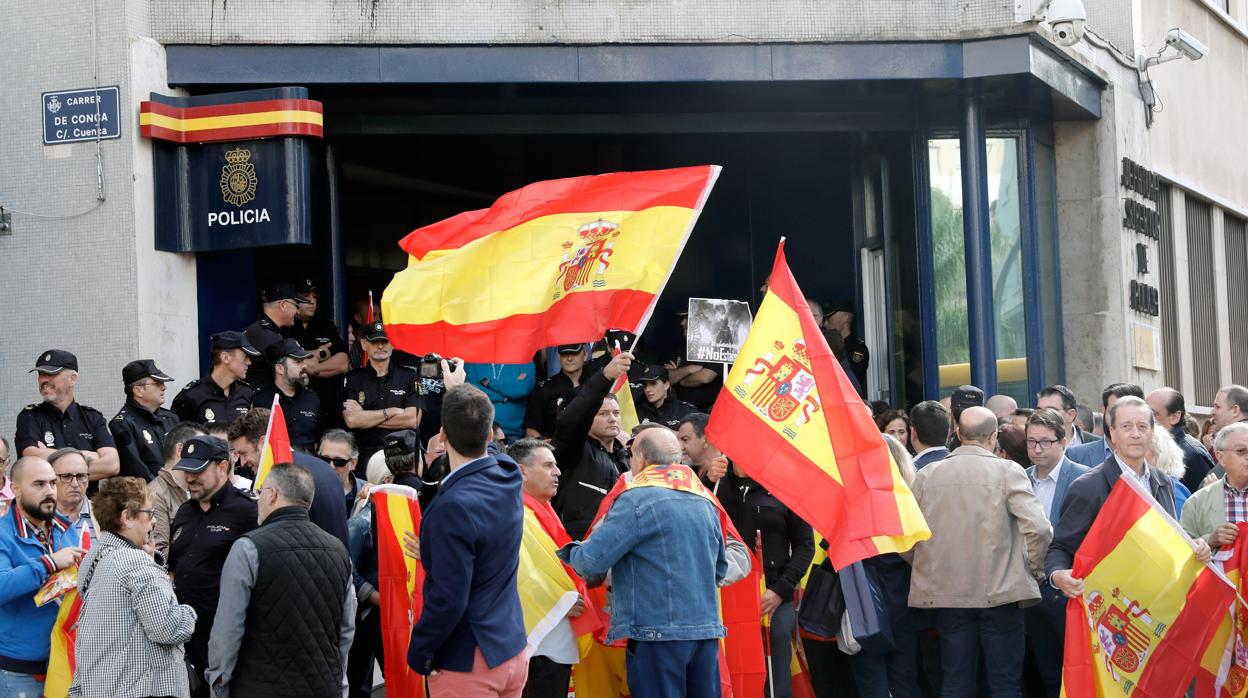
(783,621)
(673,668)
(998,633)
(1046,631)
(15,685)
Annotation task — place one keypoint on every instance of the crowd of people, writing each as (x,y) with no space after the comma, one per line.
(194,582)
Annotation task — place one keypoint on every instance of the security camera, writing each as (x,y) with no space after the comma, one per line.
(1066,17)
(1186,44)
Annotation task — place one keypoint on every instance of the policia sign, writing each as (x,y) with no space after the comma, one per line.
(232,169)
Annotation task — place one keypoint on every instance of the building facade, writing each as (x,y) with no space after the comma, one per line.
(1001,209)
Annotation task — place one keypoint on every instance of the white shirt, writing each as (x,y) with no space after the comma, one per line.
(1074,437)
(1143,478)
(1046,487)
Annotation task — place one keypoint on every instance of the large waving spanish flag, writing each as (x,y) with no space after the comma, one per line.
(1149,609)
(399,581)
(790,418)
(1224,667)
(556,262)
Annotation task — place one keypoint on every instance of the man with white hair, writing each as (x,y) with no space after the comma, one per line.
(1212,511)
(60,421)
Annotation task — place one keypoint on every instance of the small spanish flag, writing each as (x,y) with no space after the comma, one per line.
(400,579)
(276,447)
(62,659)
(1149,609)
(791,419)
(557,262)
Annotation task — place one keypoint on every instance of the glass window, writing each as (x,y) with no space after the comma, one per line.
(953,353)
(1008,306)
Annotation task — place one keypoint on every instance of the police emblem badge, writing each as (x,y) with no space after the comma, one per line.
(147,436)
(238,177)
(48,439)
(209,415)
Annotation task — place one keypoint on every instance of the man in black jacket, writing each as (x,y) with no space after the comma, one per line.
(1130,425)
(788,547)
(279,630)
(587,448)
(1169,409)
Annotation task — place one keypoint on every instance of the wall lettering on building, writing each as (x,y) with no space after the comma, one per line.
(1141,258)
(1142,219)
(1141,180)
(1145,299)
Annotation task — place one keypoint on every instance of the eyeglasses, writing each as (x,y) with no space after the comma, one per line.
(336,462)
(70,477)
(149,384)
(1041,444)
(149,512)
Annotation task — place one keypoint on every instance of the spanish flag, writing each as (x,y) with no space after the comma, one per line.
(557,262)
(1224,667)
(1149,609)
(276,447)
(399,581)
(790,418)
(61,659)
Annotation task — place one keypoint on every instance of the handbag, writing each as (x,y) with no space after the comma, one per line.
(866,610)
(822,604)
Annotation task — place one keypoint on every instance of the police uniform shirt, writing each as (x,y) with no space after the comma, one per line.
(205,402)
(859,358)
(200,541)
(79,426)
(261,334)
(547,400)
(302,412)
(397,389)
(140,436)
(316,334)
(669,415)
(702,396)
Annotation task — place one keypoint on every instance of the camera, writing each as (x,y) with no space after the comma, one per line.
(1188,45)
(431,366)
(1067,18)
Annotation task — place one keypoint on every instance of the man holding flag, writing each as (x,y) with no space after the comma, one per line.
(660,534)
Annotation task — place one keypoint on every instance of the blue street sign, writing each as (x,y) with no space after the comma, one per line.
(81,115)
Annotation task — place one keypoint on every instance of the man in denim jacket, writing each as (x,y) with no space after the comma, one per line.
(655,540)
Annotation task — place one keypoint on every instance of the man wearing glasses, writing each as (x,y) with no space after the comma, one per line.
(280,303)
(1051,474)
(72,475)
(140,426)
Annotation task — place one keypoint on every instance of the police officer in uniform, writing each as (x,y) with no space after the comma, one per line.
(140,426)
(316,333)
(660,405)
(60,421)
(222,395)
(840,318)
(278,306)
(201,533)
(550,395)
(379,397)
(300,405)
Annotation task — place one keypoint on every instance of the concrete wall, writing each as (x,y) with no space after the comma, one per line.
(77,273)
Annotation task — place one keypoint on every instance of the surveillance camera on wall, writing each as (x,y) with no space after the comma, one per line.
(1186,44)
(1067,18)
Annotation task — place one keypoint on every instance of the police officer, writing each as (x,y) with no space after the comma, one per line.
(278,306)
(840,318)
(140,426)
(60,421)
(660,405)
(222,395)
(315,332)
(201,533)
(300,405)
(379,397)
(550,395)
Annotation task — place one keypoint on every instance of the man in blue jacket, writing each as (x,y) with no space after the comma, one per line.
(470,638)
(33,545)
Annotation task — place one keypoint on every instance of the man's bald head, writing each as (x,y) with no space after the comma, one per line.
(1002,405)
(658,446)
(30,467)
(977,424)
(34,487)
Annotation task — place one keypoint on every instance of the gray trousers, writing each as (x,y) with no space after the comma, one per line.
(783,622)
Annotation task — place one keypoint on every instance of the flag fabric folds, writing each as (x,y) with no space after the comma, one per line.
(792,420)
(61,659)
(548,591)
(276,446)
(399,581)
(1149,609)
(1224,667)
(556,262)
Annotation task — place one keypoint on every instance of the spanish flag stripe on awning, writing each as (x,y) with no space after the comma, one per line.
(240,121)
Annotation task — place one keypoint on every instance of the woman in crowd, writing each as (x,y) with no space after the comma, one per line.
(132,628)
(895,673)
(1012,444)
(1166,456)
(895,423)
